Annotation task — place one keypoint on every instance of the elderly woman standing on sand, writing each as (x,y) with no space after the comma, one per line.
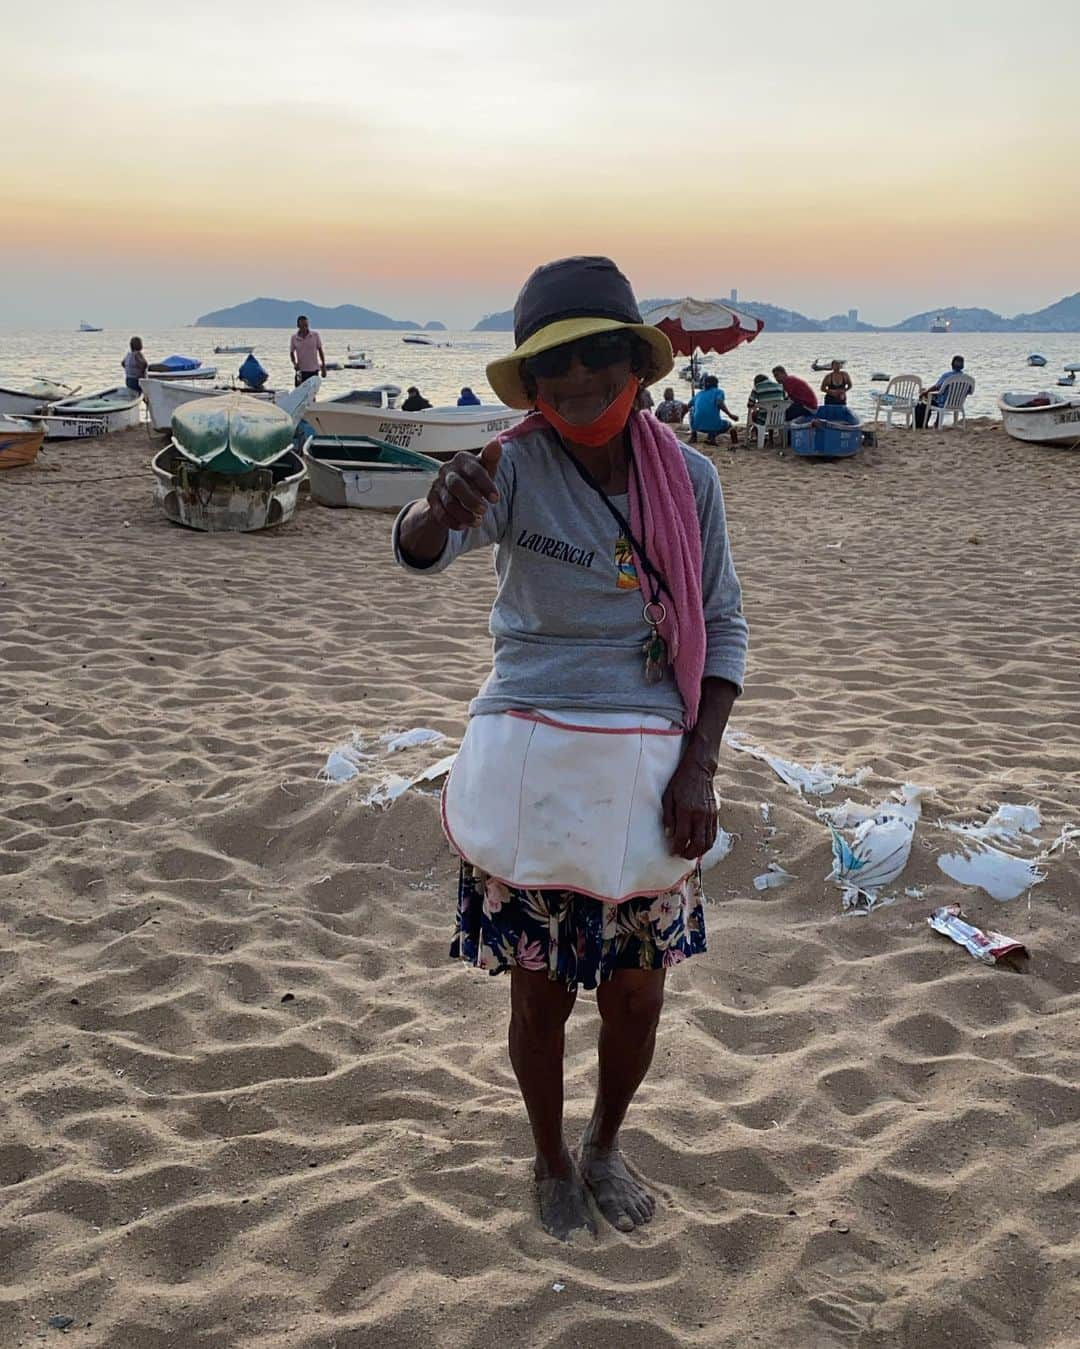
(582,797)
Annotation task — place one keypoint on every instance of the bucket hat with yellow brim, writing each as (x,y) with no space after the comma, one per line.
(566,300)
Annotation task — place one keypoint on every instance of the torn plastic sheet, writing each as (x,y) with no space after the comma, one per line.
(817,780)
(879,848)
(988,947)
(386,791)
(1000,874)
(1008,824)
(393,741)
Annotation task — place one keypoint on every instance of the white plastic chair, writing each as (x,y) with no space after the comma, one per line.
(774,421)
(899,399)
(952,398)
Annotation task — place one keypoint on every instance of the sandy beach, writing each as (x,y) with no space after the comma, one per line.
(248,1103)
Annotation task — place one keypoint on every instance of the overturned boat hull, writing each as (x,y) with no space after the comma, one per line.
(218,503)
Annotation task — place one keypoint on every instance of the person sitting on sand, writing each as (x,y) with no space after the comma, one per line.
(802,401)
(563,497)
(709,413)
(414,400)
(135,365)
(670,409)
(836,383)
(466,399)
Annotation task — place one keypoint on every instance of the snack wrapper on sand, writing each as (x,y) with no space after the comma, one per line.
(989,947)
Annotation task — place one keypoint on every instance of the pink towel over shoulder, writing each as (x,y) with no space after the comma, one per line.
(664,516)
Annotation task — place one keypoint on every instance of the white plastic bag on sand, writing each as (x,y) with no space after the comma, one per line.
(879,849)
(1000,874)
(393,741)
(343,762)
(775,876)
(719,850)
(818,780)
(437,770)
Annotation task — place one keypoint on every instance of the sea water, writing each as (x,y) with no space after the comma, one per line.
(996,361)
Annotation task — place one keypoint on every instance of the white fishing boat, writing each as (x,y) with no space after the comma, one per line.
(95,414)
(233,351)
(362,472)
(85,327)
(1036,359)
(166,372)
(164,397)
(418,340)
(1043,418)
(440,432)
(357,360)
(218,503)
(23,400)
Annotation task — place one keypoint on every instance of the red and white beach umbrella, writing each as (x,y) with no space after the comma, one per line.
(703,325)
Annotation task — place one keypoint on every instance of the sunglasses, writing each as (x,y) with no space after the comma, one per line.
(597,352)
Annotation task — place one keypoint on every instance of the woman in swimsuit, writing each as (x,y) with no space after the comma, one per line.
(836,383)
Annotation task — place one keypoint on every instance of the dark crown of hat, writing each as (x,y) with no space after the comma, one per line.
(573,288)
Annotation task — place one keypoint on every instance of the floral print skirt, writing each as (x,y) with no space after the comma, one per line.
(576,938)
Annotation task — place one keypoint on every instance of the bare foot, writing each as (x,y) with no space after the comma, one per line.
(623,1201)
(564,1208)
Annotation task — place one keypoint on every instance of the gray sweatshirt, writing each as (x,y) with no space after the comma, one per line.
(567,620)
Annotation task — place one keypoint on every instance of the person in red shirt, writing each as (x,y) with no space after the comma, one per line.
(803,399)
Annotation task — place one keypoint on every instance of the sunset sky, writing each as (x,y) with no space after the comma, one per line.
(420,159)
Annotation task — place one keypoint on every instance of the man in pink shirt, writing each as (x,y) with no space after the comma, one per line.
(306,352)
(803,399)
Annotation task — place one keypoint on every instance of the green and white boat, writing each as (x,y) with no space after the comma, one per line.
(231,434)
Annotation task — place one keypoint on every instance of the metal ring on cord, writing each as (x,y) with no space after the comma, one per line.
(654,604)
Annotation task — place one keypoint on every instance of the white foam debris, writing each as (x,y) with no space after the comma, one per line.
(817,780)
(719,850)
(1065,840)
(1000,874)
(773,877)
(766,811)
(394,741)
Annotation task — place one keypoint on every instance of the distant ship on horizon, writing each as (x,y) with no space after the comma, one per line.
(941,324)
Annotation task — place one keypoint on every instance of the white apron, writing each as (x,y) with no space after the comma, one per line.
(566,801)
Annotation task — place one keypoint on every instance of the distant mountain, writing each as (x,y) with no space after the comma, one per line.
(267,313)
(1062,317)
(434,326)
(496,323)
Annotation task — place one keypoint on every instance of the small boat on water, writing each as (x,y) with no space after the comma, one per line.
(1043,418)
(85,327)
(218,503)
(418,340)
(941,324)
(1067,381)
(164,397)
(357,360)
(363,472)
(233,351)
(95,414)
(819,364)
(181,367)
(22,400)
(879,377)
(20,441)
(440,432)
(1036,359)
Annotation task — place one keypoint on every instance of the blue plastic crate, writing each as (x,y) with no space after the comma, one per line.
(825,442)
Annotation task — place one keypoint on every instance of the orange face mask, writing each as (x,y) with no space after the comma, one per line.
(601,429)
